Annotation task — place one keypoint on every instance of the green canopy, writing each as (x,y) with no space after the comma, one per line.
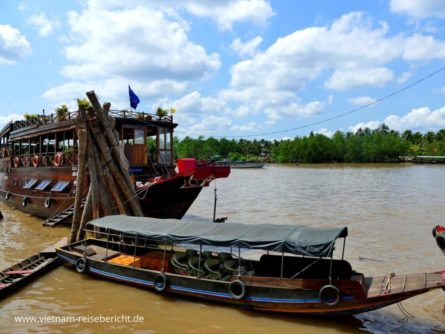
(302,240)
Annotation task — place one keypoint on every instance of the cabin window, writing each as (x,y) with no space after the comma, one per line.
(43,185)
(165,148)
(60,186)
(30,184)
(139,135)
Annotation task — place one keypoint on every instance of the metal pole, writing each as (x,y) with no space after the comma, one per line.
(163,255)
(330,267)
(199,260)
(214,204)
(134,255)
(239,261)
(343,251)
(106,250)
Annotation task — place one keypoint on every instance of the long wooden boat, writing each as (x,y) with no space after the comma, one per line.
(38,165)
(294,272)
(27,270)
(246,164)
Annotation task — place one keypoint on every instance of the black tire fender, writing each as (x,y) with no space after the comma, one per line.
(237,289)
(329,295)
(7,195)
(81,265)
(25,201)
(160,282)
(48,202)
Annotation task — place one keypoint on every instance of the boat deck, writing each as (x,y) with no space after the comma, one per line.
(393,284)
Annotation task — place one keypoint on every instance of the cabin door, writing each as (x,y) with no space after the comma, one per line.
(135,145)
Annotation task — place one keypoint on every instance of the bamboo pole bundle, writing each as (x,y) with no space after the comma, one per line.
(111,189)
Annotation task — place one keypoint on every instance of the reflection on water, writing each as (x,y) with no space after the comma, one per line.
(389,210)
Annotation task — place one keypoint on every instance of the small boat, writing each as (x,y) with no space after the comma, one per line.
(27,270)
(439,235)
(246,164)
(267,267)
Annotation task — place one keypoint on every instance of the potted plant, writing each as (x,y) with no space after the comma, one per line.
(62,113)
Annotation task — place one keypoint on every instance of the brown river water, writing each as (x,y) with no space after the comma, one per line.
(389,209)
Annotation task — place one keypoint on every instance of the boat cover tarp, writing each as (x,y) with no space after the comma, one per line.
(302,240)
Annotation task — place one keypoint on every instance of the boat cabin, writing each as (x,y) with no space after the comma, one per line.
(50,143)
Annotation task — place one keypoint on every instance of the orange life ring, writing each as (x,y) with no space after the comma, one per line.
(36,160)
(58,160)
(16,162)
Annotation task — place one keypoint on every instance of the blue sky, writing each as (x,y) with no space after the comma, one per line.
(230,68)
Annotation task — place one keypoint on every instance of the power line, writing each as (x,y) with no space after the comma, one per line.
(381,99)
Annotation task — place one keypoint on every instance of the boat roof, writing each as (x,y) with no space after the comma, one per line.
(300,240)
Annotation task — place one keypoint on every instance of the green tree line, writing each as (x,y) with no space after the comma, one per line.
(365,145)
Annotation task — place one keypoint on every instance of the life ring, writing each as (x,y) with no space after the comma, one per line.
(36,160)
(81,265)
(440,240)
(48,202)
(237,289)
(160,282)
(58,159)
(25,201)
(7,195)
(329,295)
(16,162)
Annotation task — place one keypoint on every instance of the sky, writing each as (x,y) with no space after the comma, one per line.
(236,68)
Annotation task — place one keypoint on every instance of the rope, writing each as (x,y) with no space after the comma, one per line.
(381,99)
(405,312)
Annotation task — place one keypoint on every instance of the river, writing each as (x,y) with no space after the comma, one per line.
(389,210)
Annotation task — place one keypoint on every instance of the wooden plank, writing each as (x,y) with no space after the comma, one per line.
(20,272)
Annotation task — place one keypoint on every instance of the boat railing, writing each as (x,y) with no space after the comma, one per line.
(38,120)
(44,119)
(140,115)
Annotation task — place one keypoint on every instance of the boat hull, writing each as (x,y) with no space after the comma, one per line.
(298,296)
(170,198)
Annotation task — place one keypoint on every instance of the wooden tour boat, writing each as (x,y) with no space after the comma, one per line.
(39,157)
(294,270)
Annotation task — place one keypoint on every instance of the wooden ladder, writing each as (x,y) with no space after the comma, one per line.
(62,216)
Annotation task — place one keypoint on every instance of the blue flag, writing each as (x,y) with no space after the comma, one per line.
(134,99)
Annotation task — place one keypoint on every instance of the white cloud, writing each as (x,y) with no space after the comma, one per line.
(419,8)
(344,79)
(44,25)
(421,47)
(145,44)
(421,119)
(370,125)
(404,77)
(361,100)
(248,48)
(326,132)
(13,45)
(8,118)
(228,12)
